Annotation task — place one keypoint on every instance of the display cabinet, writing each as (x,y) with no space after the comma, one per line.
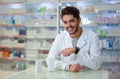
(41,28)
(12,35)
(29,26)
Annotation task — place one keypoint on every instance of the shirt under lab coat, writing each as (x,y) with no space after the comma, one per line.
(88,55)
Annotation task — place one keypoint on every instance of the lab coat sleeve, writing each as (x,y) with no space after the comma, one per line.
(60,65)
(54,53)
(92,58)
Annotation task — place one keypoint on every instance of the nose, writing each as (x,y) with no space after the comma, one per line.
(68,24)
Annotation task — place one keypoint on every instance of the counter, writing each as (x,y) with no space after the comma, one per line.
(58,74)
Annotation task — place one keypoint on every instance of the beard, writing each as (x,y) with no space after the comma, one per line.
(75,29)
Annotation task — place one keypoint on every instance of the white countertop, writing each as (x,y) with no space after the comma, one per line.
(58,74)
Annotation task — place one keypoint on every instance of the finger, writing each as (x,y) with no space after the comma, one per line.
(65,54)
(61,52)
(68,54)
(78,67)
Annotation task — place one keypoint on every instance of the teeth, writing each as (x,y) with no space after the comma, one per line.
(70,28)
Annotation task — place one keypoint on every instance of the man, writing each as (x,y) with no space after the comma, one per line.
(76,48)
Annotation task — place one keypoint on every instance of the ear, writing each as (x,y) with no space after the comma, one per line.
(79,19)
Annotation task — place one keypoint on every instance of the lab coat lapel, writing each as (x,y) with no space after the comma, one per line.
(68,40)
(82,40)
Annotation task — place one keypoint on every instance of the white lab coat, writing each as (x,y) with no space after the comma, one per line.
(88,55)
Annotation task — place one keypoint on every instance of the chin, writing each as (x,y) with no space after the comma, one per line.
(71,32)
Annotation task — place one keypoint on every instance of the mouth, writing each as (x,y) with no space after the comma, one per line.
(71,29)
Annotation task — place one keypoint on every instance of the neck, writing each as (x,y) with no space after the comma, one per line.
(77,34)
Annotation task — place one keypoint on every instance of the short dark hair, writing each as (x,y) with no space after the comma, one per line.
(70,10)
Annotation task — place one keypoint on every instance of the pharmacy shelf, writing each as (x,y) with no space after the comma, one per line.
(12,47)
(41,27)
(41,48)
(14,58)
(11,36)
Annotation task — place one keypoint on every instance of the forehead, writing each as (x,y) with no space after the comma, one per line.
(68,17)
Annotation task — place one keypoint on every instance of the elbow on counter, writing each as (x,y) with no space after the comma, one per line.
(96,65)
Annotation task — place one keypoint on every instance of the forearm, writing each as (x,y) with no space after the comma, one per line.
(92,62)
(60,65)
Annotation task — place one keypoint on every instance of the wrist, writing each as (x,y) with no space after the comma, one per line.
(76,50)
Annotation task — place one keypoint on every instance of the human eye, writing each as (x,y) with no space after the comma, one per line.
(72,20)
(64,22)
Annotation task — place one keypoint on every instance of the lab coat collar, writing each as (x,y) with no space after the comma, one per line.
(82,39)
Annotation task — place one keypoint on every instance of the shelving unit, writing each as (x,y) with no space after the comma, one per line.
(41,24)
(28,25)
(12,35)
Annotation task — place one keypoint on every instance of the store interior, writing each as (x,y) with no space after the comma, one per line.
(29,27)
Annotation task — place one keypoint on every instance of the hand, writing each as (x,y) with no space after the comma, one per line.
(68,51)
(75,68)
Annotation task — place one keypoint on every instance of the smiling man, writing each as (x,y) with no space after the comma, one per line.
(76,48)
